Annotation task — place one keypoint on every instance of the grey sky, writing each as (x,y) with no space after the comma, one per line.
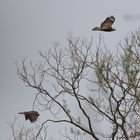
(27,26)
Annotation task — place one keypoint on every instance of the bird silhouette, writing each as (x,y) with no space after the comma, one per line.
(106,25)
(30,115)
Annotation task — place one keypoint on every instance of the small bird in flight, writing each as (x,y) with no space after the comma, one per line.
(106,25)
(30,115)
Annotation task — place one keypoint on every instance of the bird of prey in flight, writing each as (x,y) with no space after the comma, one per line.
(106,25)
(30,115)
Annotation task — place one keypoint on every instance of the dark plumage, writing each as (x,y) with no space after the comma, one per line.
(30,115)
(106,25)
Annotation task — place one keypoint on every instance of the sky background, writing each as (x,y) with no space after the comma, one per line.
(28,26)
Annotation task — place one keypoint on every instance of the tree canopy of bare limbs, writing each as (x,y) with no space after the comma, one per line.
(88,87)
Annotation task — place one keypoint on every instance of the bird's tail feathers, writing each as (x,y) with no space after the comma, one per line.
(96,29)
(21,113)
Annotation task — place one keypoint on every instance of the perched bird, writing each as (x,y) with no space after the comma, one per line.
(30,115)
(106,25)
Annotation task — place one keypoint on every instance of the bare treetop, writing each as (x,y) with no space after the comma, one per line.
(86,87)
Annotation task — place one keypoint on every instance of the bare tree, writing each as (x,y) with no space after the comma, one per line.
(88,87)
(21,132)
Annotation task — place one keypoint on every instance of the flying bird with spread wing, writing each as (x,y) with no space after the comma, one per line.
(30,115)
(106,25)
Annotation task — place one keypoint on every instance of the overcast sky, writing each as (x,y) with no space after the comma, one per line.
(27,26)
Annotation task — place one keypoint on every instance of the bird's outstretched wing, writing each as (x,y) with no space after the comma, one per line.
(107,24)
